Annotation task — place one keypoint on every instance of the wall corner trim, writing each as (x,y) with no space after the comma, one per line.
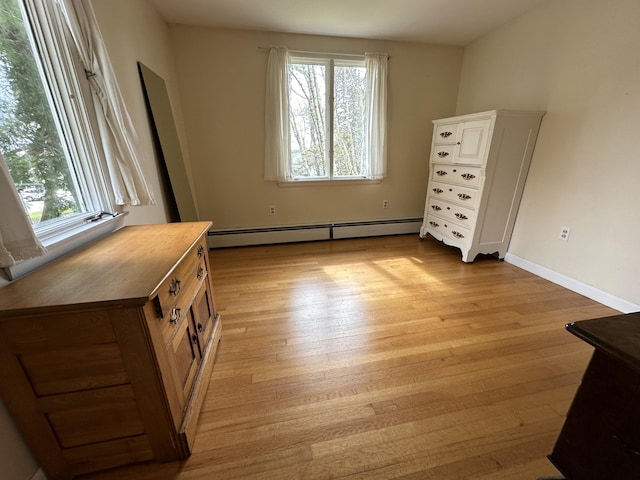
(588,291)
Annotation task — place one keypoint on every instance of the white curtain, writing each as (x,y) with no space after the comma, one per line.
(17,240)
(276,159)
(376,114)
(119,138)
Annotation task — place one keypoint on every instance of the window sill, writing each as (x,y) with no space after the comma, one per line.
(65,243)
(324,183)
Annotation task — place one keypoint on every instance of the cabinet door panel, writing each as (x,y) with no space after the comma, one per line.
(203,315)
(186,355)
(472,142)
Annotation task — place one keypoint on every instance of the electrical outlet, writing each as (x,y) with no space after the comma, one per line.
(272,209)
(564,233)
(385,203)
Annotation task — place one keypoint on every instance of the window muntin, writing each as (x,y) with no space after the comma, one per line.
(327,118)
(46,131)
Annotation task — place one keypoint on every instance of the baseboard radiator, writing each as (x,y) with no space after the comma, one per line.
(308,233)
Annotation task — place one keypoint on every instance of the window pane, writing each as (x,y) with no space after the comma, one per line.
(348,121)
(30,139)
(308,125)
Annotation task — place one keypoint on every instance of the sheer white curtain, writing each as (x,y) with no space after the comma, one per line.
(17,240)
(376,114)
(276,155)
(119,138)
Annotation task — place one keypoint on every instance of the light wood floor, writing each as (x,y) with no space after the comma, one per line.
(382,358)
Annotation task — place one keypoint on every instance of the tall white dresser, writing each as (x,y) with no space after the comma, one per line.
(478,167)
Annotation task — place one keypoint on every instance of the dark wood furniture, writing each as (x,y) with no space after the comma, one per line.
(106,354)
(600,438)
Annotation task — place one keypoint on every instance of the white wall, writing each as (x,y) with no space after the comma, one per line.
(579,60)
(222,75)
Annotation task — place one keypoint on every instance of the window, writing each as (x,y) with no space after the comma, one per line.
(327,118)
(46,129)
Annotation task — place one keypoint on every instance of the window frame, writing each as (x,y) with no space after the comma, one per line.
(331,60)
(70,99)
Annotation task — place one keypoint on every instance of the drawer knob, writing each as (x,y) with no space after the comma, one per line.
(436,208)
(200,272)
(457,234)
(468,176)
(462,216)
(194,338)
(463,196)
(441,173)
(443,154)
(174,317)
(438,190)
(200,327)
(446,134)
(174,288)
(200,251)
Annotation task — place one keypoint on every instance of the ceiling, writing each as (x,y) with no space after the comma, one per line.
(450,22)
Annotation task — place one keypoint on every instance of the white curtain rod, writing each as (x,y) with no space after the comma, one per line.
(326,53)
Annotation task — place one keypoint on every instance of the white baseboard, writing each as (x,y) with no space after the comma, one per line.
(588,291)
(306,233)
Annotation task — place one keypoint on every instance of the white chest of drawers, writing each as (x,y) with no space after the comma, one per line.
(478,167)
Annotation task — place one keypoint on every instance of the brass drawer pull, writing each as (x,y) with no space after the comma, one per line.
(200,251)
(457,234)
(438,190)
(436,208)
(174,317)
(468,176)
(443,154)
(462,216)
(174,288)
(200,272)
(441,173)
(434,224)
(463,196)
(446,134)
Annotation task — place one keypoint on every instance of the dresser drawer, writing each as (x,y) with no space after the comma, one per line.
(443,228)
(454,193)
(446,133)
(467,176)
(442,153)
(465,217)
(179,289)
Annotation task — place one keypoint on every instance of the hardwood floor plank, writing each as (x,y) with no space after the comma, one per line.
(382,358)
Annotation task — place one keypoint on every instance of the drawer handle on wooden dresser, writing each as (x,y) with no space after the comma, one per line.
(468,176)
(446,134)
(174,288)
(199,273)
(200,251)
(457,234)
(434,224)
(194,338)
(463,196)
(441,173)
(174,317)
(443,154)
(436,208)
(200,327)
(438,190)
(462,216)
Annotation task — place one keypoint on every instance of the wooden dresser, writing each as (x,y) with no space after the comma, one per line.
(478,167)
(106,354)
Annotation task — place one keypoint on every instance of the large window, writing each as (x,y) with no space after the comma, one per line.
(46,135)
(327,118)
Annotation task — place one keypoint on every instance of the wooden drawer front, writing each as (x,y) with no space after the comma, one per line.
(467,176)
(179,290)
(456,194)
(442,154)
(446,133)
(460,235)
(455,213)
(203,316)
